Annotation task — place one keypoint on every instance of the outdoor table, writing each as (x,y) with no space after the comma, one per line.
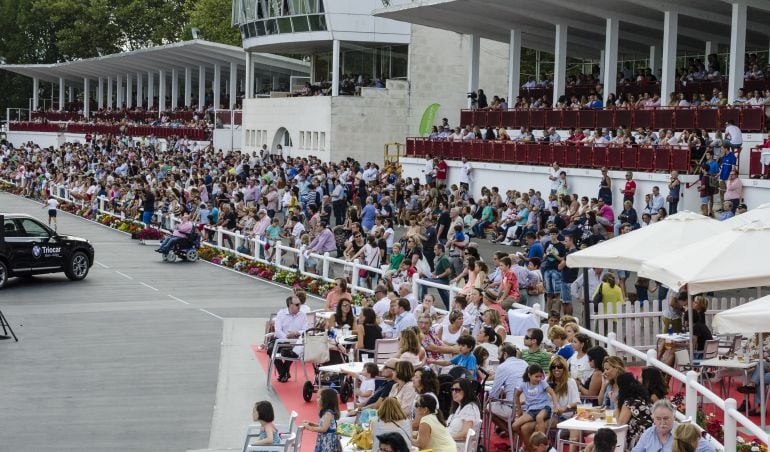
(676,337)
(732,363)
(581,426)
(353,369)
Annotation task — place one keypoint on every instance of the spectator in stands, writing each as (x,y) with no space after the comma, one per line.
(633,407)
(263,414)
(432,433)
(613,367)
(605,440)
(390,419)
(289,324)
(674,189)
(659,436)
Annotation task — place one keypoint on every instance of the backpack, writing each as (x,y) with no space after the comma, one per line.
(713,181)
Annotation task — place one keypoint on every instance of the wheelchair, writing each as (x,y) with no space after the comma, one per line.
(185,249)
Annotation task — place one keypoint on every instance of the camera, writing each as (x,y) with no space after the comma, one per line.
(472,95)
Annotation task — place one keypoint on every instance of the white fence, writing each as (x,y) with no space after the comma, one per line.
(694,390)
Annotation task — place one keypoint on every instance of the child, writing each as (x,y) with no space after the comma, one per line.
(459,236)
(273,234)
(329,412)
(366,389)
(52,204)
(264,415)
(538,442)
(536,392)
(465,359)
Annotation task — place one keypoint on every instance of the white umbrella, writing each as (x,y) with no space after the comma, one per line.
(733,259)
(749,318)
(760,213)
(629,251)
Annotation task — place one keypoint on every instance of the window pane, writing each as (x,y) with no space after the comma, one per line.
(317,23)
(261,29)
(284,25)
(33,229)
(270,27)
(300,24)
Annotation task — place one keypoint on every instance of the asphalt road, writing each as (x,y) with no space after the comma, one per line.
(127,359)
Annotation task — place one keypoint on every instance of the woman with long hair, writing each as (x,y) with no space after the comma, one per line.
(568,396)
(425,382)
(432,432)
(335,295)
(390,419)
(612,367)
(633,406)
(368,331)
(409,348)
(654,383)
(343,315)
(465,409)
(686,438)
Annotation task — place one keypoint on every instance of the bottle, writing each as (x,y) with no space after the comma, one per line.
(670,330)
(351,355)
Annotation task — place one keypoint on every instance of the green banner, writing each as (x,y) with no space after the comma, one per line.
(428,119)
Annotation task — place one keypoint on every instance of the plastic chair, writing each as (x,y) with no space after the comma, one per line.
(288,437)
(621,431)
(298,439)
(471,441)
(488,416)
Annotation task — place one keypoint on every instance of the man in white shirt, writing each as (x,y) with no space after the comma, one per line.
(404,319)
(382,306)
(289,324)
(553,176)
(405,291)
(427,170)
(657,201)
(465,175)
(733,135)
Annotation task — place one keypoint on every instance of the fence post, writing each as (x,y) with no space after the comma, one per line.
(416,287)
(691,396)
(301,260)
(535,307)
(354,277)
(325,269)
(651,355)
(730,426)
(219,233)
(611,336)
(278,245)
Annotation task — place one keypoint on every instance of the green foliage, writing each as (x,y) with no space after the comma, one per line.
(214,19)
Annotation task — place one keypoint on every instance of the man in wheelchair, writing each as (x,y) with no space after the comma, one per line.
(183,232)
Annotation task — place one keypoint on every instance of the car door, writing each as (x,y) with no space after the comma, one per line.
(46,252)
(19,246)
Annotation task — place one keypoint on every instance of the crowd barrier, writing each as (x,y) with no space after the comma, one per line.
(192,133)
(626,157)
(35,126)
(693,389)
(749,119)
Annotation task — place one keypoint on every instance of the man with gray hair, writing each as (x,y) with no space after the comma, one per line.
(660,437)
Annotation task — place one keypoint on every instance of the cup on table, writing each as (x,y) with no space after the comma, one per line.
(583,407)
(609,416)
(351,406)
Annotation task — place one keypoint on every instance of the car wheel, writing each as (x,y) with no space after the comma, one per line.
(192,255)
(77,267)
(3,274)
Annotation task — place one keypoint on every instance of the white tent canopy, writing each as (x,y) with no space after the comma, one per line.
(734,259)
(746,319)
(629,251)
(760,214)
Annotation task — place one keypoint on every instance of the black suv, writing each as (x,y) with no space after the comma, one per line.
(29,247)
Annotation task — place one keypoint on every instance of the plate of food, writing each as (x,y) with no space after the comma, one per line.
(588,416)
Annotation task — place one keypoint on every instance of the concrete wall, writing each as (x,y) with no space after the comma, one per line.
(228,139)
(438,72)
(43,139)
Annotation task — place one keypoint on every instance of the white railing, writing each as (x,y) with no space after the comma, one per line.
(732,417)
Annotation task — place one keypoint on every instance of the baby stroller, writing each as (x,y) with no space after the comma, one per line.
(186,249)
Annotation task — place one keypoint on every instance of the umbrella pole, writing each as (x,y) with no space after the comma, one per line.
(689,321)
(587,298)
(761,365)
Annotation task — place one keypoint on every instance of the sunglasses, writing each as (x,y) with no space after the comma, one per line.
(527,337)
(557,366)
(457,389)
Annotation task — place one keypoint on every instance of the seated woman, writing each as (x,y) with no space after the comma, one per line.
(343,315)
(590,383)
(567,395)
(390,418)
(425,382)
(427,307)
(403,389)
(335,295)
(654,383)
(632,406)
(492,319)
(409,348)
(488,339)
(449,334)
(612,367)
(465,411)
(368,331)
(432,432)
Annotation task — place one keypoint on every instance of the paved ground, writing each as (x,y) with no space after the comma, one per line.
(129,358)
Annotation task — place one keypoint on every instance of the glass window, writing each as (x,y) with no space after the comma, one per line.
(33,229)
(317,23)
(300,24)
(271,27)
(260,28)
(284,25)
(11,230)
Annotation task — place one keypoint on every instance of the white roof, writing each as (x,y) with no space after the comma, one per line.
(179,55)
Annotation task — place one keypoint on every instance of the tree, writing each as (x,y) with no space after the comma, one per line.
(214,19)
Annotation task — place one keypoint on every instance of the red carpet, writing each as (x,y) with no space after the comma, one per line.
(290,394)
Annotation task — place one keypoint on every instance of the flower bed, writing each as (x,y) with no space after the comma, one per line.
(269,272)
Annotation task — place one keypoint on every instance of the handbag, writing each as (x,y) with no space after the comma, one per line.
(597,300)
(536,289)
(363,273)
(316,348)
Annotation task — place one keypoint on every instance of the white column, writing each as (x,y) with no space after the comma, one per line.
(174,88)
(71,94)
(514,67)
(61,94)
(737,51)
(150,90)
(201,88)
(667,78)
(129,91)
(35,93)
(187,87)
(217,85)
(708,52)
(248,91)
(100,93)
(110,103)
(276,82)
(336,67)
(86,97)
(560,62)
(119,91)
(232,91)
(654,57)
(161,90)
(139,90)
(473,65)
(610,57)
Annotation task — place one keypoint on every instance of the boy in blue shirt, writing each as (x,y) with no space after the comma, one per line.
(466,359)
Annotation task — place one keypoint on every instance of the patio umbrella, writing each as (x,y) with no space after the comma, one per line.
(758,214)
(749,318)
(629,251)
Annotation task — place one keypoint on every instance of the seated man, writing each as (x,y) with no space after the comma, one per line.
(181,232)
(290,324)
(660,436)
